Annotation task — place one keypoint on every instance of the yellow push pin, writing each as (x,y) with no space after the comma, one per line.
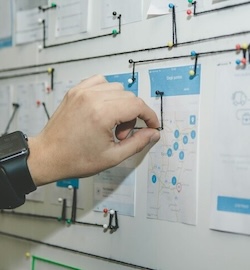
(170,44)
(27,255)
(50,70)
(191,72)
(244,46)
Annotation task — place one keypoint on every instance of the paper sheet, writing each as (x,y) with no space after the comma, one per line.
(5,23)
(130,10)
(71,17)
(27,27)
(230,209)
(172,171)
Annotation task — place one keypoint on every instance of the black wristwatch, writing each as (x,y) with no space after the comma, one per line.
(15,178)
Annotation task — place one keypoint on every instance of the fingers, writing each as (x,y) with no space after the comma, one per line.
(122,131)
(89,82)
(135,143)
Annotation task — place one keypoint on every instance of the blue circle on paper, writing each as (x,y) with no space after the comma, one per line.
(193,134)
(169,152)
(176,146)
(174,180)
(177,133)
(185,139)
(181,155)
(154,179)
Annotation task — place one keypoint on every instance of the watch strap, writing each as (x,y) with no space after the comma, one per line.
(9,199)
(18,174)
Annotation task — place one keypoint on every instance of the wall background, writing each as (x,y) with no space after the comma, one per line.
(150,244)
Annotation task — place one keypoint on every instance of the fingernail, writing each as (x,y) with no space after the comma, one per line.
(155,137)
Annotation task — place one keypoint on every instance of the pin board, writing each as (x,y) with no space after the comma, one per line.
(183,203)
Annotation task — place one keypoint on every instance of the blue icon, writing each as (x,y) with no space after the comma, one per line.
(169,152)
(154,179)
(176,133)
(181,155)
(193,134)
(192,119)
(174,180)
(176,146)
(185,139)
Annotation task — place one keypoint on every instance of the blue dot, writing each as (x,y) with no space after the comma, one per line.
(176,146)
(169,152)
(154,179)
(181,155)
(176,133)
(185,139)
(193,134)
(174,180)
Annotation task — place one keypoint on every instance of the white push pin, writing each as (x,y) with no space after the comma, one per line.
(130,81)
(40,47)
(70,187)
(60,200)
(40,20)
(105,226)
(112,212)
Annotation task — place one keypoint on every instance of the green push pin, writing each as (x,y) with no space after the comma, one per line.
(190,1)
(68,221)
(59,219)
(114,32)
(53,5)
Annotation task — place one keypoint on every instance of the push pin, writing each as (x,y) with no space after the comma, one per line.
(170,44)
(50,70)
(105,226)
(27,255)
(59,200)
(114,32)
(244,46)
(171,5)
(40,20)
(40,47)
(238,47)
(105,210)
(38,103)
(191,72)
(131,80)
(237,62)
(244,61)
(189,12)
(190,1)
(70,187)
(193,53)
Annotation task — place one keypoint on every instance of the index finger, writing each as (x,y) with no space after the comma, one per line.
(131,108)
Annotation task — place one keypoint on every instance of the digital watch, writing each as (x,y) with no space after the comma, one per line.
(15,178)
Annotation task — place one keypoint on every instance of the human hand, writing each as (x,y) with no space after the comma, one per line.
(78,140)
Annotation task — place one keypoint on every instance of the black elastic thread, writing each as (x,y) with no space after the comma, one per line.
(75,251)
(195,63)
(128,52)
(78,40)
(174,29)
(216,9)
(15,107)
(74,205)
(45,109)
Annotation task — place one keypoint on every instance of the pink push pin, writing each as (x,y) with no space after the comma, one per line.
(189,12)
(105,210)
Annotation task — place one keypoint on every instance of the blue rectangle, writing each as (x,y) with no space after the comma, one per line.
(124,80)
(234,205)
(68,182)
(175,81)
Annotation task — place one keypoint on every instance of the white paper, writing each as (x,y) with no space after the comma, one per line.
(31,116)
(161,7)
(5,23)
(28,29)
(71,17)
(130,10)
(172,171)
(231,154)
(115,188)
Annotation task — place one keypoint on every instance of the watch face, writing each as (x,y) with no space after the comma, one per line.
(12,144)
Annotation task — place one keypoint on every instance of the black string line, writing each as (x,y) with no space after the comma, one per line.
(174,28)
(127,52)
(113,33)
(49,71)
(216,9)
(15,108)
(75,251)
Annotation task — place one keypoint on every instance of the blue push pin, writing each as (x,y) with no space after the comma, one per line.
(193,53)
(238,62)
(171,5)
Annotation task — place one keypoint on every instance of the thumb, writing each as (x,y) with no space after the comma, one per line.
(137,142)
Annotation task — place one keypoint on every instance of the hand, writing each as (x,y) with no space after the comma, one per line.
(78,140)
